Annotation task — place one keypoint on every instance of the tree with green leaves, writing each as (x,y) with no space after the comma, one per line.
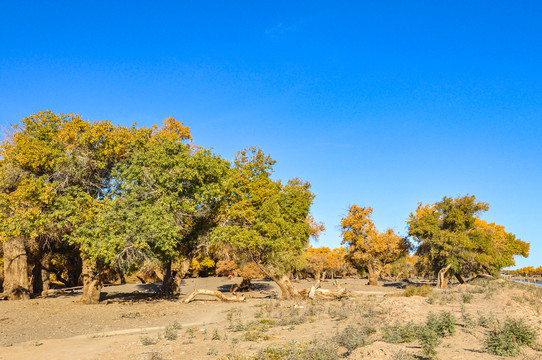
(368,249)
(454,240)
(165,200)
(266,221)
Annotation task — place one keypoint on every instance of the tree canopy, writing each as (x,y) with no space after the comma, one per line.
(367,247)
(454,240)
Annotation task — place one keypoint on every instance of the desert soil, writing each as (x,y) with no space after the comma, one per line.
(131,323)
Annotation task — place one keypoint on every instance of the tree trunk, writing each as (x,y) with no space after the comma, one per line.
(317,276)
(373,275)
(36,280)
(286,287)
(92,283)
(442,281)
(324,276)
(16,284)
(45,272)
(171,286)
(460,278)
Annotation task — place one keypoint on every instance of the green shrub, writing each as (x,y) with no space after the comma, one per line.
(507,340)
(523,333)
(353,337)
(443,324)
(397,334)
(500,344)
(315,350)
(429,340)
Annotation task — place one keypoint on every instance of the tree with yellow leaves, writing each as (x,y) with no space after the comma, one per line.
(368,249)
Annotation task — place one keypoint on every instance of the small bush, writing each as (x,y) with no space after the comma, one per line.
(507,340)
(467,298)
(500,344)
(403,355)
(170,333)
(353,337)
(423,290)
(443,324)
(397,334)
(147,340)
(216,335)
(429,340)
(523,333)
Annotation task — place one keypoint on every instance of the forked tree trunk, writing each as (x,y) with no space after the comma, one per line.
(442,281)
(92,283)
(373,275)
(16,283)
(171,286)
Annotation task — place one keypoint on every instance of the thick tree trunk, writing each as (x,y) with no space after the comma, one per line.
(171,286)
(92,283)
(324,276)
(287,289)
(45,272)
(442,281)
(373,275)
(16,283)
(36,279)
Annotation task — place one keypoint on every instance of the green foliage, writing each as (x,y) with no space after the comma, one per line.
(353,337)
(429,340)
(400,333)
(264,219)
(443,323)
(450,234)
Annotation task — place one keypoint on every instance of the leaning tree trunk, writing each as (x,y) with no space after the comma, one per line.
(92,283)
(442,281)
(287,289)
(373,275)
(460,278)
(16,283)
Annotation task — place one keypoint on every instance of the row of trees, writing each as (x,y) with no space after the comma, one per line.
(450,239)
(85,197)
(525,271)
(82,199)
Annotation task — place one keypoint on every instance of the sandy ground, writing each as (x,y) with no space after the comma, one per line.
(131,324)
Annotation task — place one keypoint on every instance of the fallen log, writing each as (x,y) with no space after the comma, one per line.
(218,294)
(315,291)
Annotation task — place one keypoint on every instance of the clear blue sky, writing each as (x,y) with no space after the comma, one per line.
(376,103)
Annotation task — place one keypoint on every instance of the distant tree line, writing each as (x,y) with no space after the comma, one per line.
(82,201)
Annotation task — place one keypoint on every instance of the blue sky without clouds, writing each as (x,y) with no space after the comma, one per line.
(376,103)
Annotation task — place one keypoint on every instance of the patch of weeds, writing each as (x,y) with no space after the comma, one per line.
(295,316)
(216,335)
(170,333)
(258,315)
(235,356)
(424,290)
(467,298)
(155,355)
(212,351)
(147,340)
(315,350)
(487,321)
(176,325)
(399,333)
(432,298)
(190,333)
(403,355)
(353,337)
(267,322)
(468,321)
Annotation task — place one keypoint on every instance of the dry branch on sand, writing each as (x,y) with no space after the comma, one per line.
(218,294)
